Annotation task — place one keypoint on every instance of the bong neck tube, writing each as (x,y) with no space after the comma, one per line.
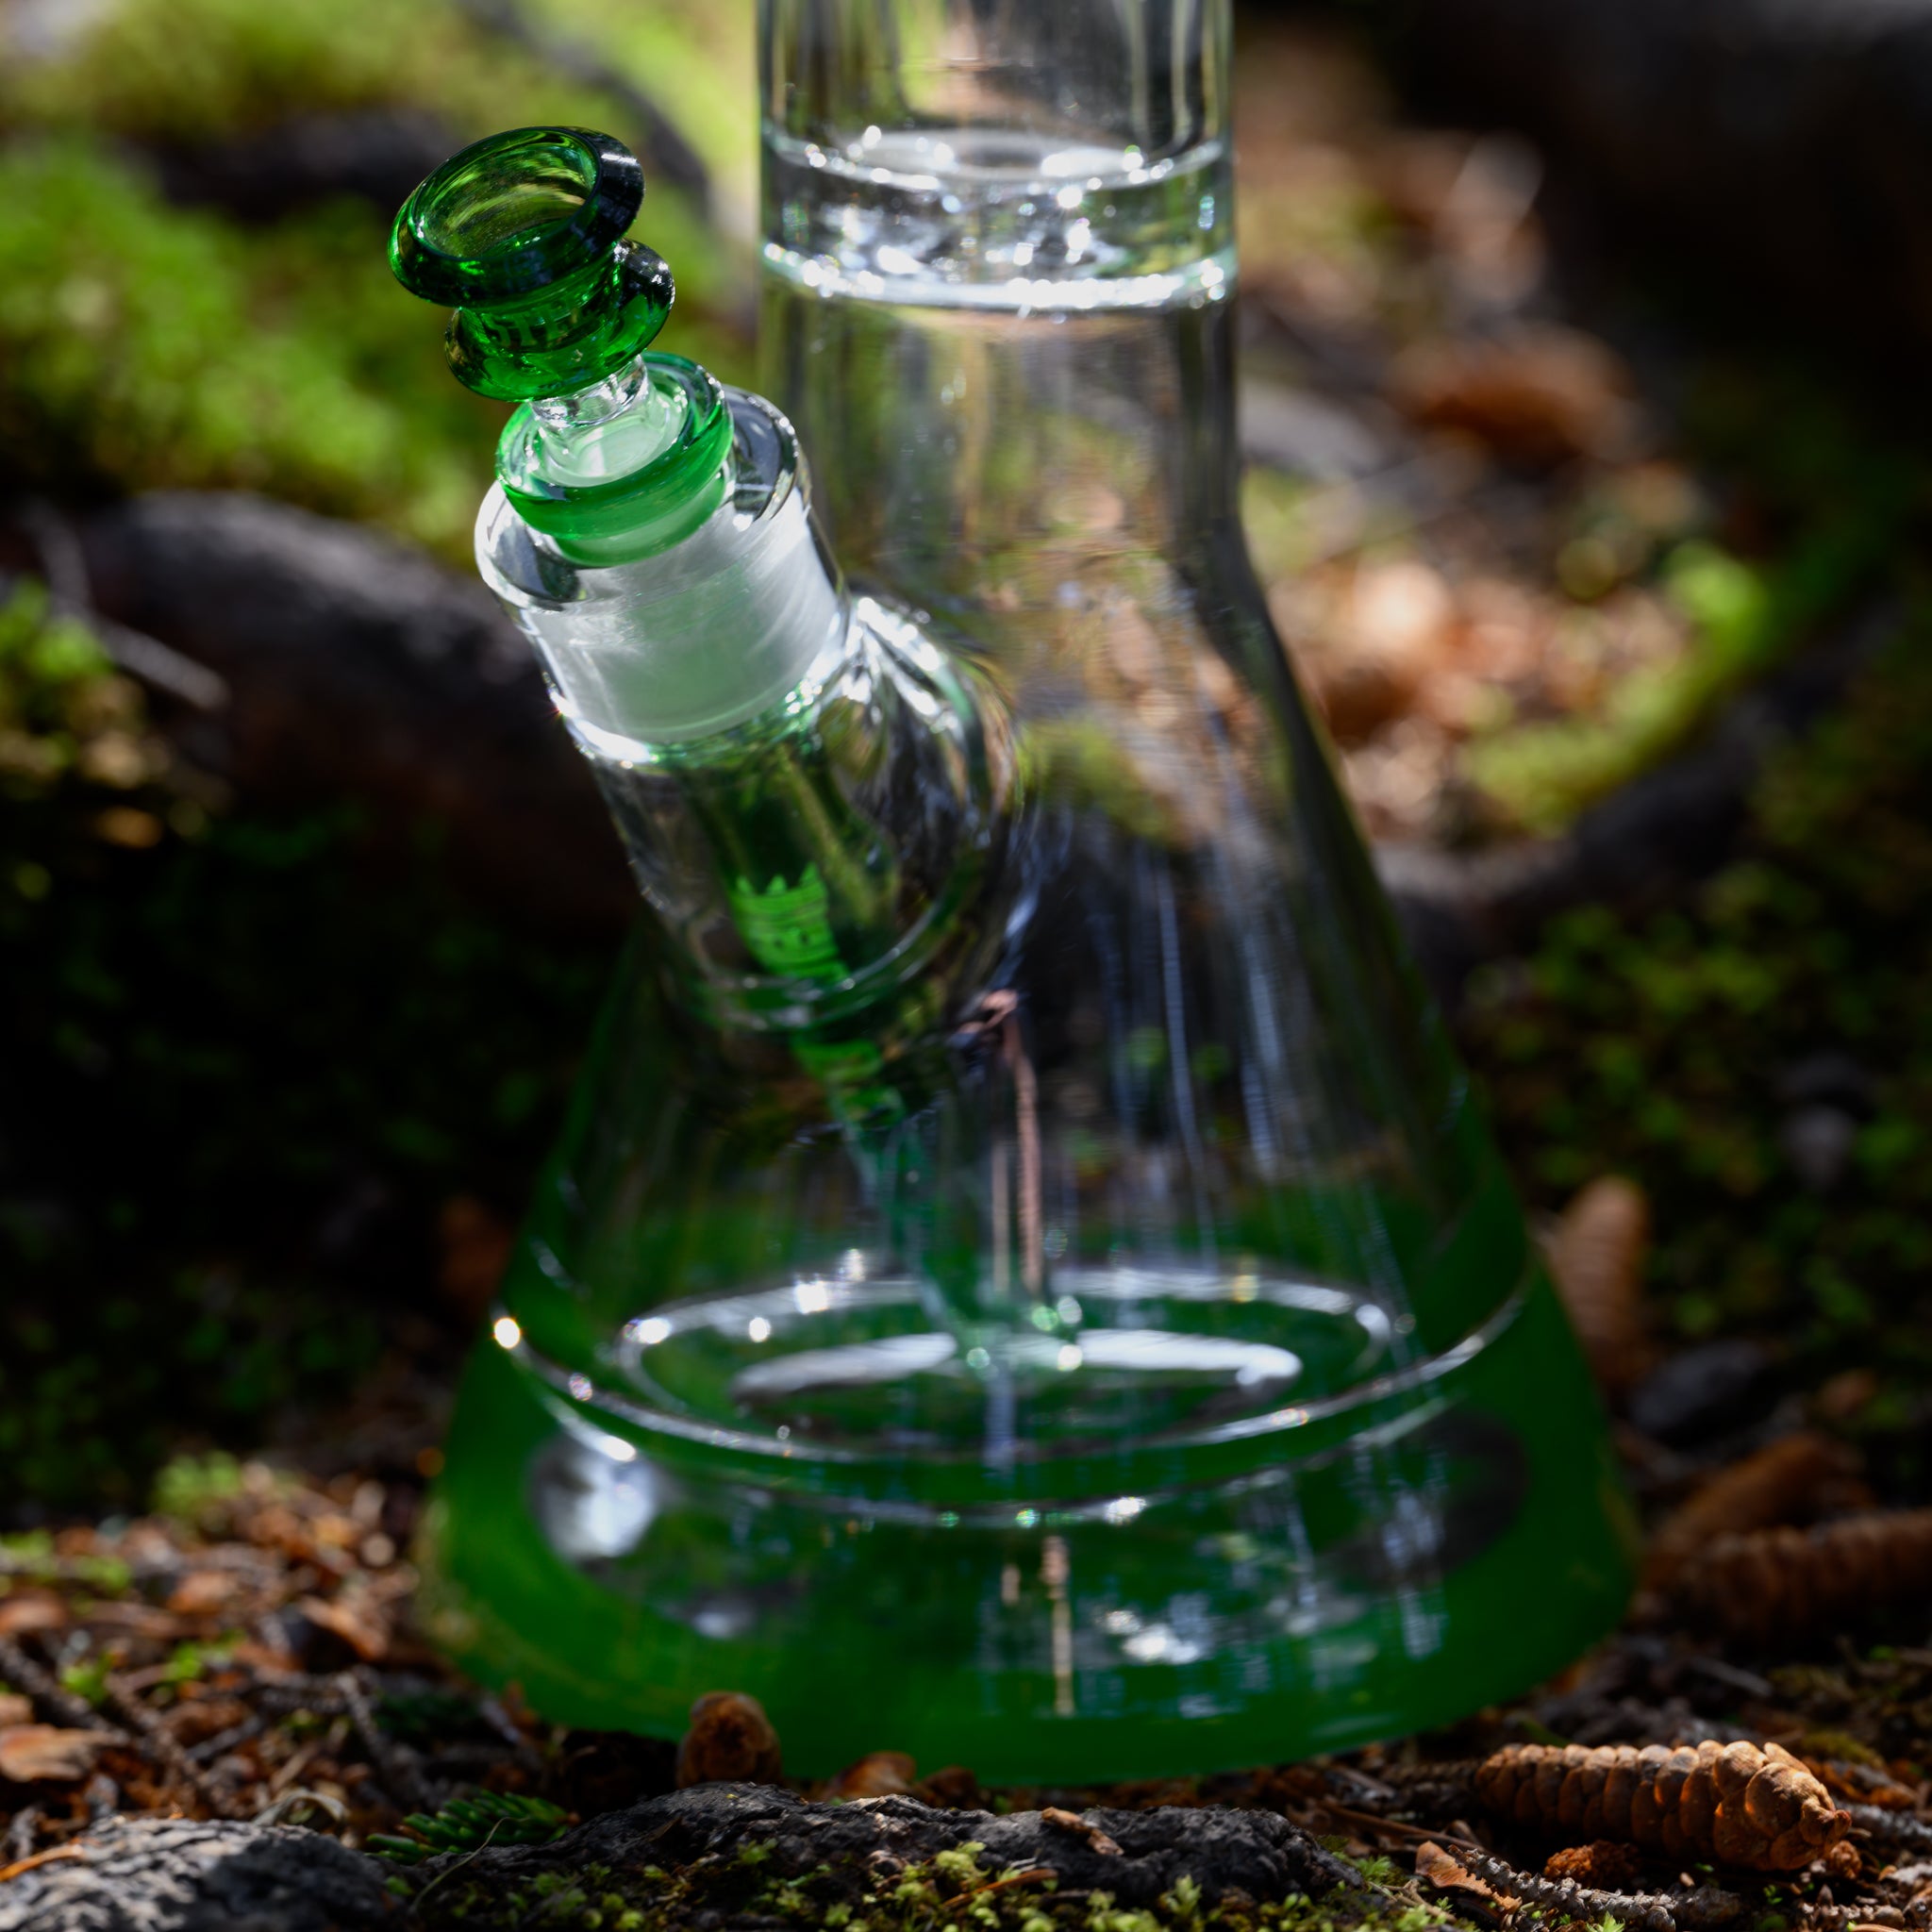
(1068,154)
(799,775)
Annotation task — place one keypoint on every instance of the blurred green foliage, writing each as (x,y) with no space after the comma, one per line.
(185,72)
(154,348)
(183,69)
(194,1489)
(56,688)
(1744,619)
(249,1060)
(146,346)
(1662,1046)
(1826,506)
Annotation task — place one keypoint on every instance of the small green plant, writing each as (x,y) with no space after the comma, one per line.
(190,1489)
(192,1661)
(466,1824)
(960,1864)
(88,1680)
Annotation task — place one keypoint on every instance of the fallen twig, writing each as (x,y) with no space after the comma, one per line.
(1701,1910)
(21,1834)
(47,1857)
(164,1748)
(70,594)
(1034,1874)
(397,1772)
(39,1683)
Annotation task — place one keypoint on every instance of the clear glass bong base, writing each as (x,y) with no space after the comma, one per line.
(1121,1355)
(1266,1578)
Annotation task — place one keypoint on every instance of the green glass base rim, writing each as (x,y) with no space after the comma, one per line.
(509,1610)
(633,515)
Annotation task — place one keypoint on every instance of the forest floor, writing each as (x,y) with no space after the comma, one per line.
(1524,546)
(246,1653)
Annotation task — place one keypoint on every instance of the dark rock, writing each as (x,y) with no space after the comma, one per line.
(377,156)
(1305,434)
(1257,1852)
(1829,1079)
(1700,1391)
(359,667)
(1828,1094)
(173,1875)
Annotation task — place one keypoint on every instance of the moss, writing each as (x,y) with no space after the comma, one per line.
(932,1904)
(86,1680)
(153,347)
(1661,1046)
(193,1488)
(144,346)
(1745,619)
(206,971)
(185,72)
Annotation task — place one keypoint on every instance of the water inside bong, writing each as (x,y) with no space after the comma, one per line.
(858,1358)
(996,218)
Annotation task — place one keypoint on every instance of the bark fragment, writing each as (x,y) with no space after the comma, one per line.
(171,1874)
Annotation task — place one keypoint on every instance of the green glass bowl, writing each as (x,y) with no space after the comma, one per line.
(523,235)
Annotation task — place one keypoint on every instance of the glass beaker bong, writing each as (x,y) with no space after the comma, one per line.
(1022,1282)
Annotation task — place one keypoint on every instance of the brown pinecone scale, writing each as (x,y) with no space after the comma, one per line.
(1782,1583)
(1742,1804)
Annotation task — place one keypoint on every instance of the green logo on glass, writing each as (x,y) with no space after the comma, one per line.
(788,928)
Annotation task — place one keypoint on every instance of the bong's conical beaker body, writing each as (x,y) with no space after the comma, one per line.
(1023,1283)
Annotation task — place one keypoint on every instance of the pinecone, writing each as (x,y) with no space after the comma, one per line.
(1795,1479)
(1739,1803)
(877,1775)
(730,1736)
(1771,1584)
(1596,1257)
(1603,1864)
